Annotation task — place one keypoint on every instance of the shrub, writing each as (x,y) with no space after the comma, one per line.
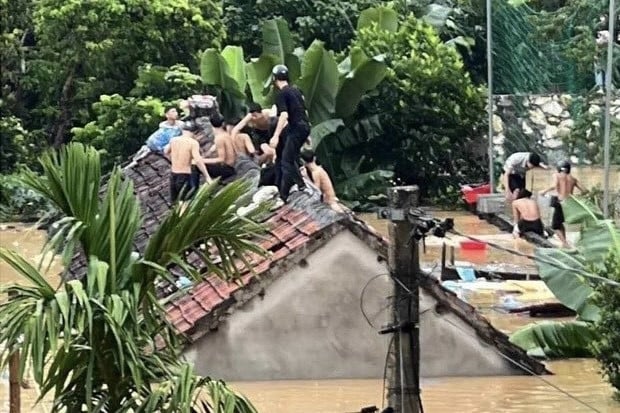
(18,203)
(432,132)
(607,347)
(122,126)
(333,22)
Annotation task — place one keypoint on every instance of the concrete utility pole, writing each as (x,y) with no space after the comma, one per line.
(404,266)
(14,383)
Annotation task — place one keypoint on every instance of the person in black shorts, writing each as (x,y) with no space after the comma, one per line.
(292,130)
(564,184)
(526,214)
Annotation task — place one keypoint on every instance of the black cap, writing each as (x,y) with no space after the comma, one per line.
(564,166)
(280,72)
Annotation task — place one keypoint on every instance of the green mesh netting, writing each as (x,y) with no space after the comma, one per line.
(526,64)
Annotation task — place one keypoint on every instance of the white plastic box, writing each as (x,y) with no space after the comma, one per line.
(490,203)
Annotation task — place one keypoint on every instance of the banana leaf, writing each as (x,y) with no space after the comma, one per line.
(214,71)
(277,39)
(579,211)
(384,17)
(278,42)
(366,73)
(233,55)
(324,129)
(258,74)
(566,276)
(319,82)
(555,339)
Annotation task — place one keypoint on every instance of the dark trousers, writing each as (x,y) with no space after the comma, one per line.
(181,187)
(219,170)
(287,152)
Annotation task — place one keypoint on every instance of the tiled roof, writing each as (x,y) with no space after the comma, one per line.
(294,230)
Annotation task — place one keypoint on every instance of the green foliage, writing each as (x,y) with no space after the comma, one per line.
(607,329)
(431,134)
(20,204)
(58,57)
(462,25)
(319,82)
(19,146)
(121,127)
(555,339)
(332,22)
(166,83)
(385,18)
(573,277)
(586,137)
(583,16)
(595,196)
(107,332)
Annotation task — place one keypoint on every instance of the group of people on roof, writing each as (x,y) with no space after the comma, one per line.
(525,210)
(274,142)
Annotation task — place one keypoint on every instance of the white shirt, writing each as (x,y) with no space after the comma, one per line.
(517,163)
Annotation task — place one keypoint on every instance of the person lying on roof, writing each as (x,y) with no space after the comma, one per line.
(168,129)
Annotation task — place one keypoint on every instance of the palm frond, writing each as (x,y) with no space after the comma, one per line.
(210,218)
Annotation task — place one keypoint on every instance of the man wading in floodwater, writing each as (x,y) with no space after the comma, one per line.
(288,142)
(564,184)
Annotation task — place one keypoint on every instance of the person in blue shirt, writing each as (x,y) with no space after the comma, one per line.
(168,129)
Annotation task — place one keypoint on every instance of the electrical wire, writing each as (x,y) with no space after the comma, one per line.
(387,355)
(529,371)
(362,300)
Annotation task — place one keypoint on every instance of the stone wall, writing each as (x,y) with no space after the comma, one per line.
(545,123)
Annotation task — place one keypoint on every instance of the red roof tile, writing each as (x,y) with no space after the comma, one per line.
(206,296)
(297,242)
(224,289)
(309,228)
(262,267)
(268,241)
(280,253)
(284,232)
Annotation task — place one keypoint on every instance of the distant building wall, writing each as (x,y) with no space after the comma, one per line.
(308,325)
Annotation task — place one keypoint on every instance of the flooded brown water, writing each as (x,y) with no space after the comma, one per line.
(471,394)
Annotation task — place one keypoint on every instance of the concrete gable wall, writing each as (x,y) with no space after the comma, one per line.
(308,325)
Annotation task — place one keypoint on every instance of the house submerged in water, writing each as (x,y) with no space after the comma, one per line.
(298,315)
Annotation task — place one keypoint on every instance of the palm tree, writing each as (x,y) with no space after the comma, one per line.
(102,343)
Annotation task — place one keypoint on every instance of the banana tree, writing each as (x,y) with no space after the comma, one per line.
(572,277)
(102,343)
(332,89)
(226,72)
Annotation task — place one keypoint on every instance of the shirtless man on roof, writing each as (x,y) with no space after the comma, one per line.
(182,150)
(564,184)
(263,122)
(222,165)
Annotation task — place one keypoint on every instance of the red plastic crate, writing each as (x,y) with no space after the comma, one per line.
(473,245)
(471,192)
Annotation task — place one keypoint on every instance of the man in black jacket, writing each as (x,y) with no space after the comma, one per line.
(292,130)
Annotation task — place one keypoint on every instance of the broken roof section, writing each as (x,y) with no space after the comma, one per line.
(295,231)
